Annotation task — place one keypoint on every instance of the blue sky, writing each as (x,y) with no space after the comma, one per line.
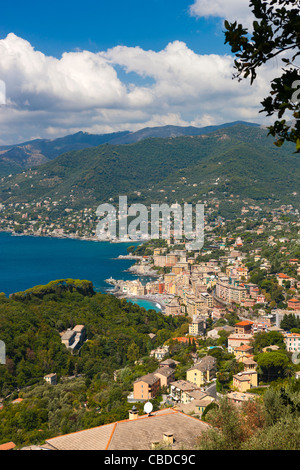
(58,26)
(102,66)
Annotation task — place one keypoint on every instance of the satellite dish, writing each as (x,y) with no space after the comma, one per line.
(148,407)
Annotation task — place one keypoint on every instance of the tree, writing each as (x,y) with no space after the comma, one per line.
(276,31)
(273,364)
(133,352)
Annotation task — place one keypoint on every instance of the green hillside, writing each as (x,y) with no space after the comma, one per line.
(239,160)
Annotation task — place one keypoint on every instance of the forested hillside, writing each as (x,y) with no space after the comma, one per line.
(238,160)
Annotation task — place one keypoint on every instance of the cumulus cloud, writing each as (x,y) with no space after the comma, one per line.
(50,97)
(232,10)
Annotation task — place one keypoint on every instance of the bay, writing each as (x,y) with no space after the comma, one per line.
(27,261)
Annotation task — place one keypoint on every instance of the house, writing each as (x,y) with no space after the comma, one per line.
(196,407)
(281,278)
(292,342)
(146,387)
(17,401)
(160,353)
(243,350)
(236,340)
(198,326)
(202,372)
(294,304)
(239,397)
(245,380)
(169,363)
(179,390)
(173,308)
(51,379)
(170,427)
(243,327)
(166,375)
(73,338)
(272,347)
(8,446)
(249,363)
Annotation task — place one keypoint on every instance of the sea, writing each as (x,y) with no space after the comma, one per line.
(27,261)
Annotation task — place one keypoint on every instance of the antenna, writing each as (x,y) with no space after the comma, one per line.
(148,407)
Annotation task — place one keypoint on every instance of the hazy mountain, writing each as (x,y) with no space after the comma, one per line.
(165,132)
(19,157)
(239,160)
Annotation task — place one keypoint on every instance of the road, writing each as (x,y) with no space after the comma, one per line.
(211,390)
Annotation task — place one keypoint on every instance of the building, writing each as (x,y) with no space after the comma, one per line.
(173,308)
(198,326)
(245,380)
(8,446)
(179,390)
(243,327)
(236,340)
(243,351)
(74,338)
(230,293)
(146,387)
(239,397)
(166,375)
(160,353)
(202,372)
(195,407)
(294,304)
(292,342)
(169,363)
(168,427)
(51,379)
(280,313)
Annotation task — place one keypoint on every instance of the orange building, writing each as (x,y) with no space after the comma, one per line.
(294,304)
(243,327)
(146,387)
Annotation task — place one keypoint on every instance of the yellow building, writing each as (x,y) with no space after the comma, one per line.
(202,372)
(245,380)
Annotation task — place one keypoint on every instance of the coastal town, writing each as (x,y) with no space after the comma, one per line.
(238,304)
(150,229)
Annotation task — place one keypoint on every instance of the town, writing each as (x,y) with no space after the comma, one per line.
(238,304)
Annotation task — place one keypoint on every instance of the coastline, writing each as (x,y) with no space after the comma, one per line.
(159,300)
(72,236)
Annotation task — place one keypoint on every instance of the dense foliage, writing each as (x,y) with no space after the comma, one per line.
(241,158)
(276,29)
(86,394)
(267,423)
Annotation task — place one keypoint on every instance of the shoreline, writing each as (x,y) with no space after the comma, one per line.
(159,300)
(71,237)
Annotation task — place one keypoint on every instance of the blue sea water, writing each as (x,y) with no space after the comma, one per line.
(147,304)
(27,261)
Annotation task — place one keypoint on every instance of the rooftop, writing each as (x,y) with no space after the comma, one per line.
(135,434)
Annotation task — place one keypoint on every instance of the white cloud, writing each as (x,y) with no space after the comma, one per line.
(231,10)
(51,97)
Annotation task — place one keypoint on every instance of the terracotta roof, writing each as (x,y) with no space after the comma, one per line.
(165,371)
(135,434)
(17,400)
(185,385)
(243,347)
(244,323)
(7,446)
(149,379)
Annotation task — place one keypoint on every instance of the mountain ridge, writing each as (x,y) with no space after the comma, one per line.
(16,158)
(239,160)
